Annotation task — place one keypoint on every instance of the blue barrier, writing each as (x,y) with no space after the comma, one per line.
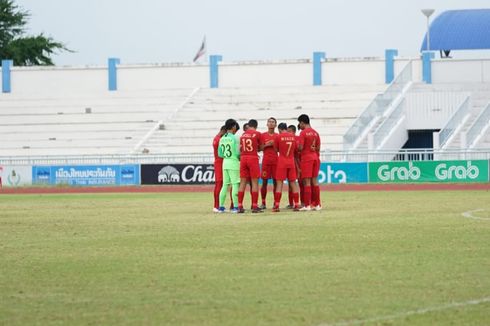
(86,175)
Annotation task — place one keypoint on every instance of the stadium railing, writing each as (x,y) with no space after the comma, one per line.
(387,126)
(457,119)
(478,126)
(378,107)
(326,156)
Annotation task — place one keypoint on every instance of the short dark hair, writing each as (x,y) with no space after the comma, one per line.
(304,118)
(292,127)
(253,123)
(223,128)
(230,123)
(245,126)
(282,126)
(272,118)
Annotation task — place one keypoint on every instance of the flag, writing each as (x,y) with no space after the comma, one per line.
(202,50)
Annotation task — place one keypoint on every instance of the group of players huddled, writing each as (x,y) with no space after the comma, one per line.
(285,157)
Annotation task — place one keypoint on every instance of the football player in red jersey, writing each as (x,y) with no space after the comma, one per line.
(285,145)
(218,169)
(249,165)
(309,145)
(297,159)
(269,160)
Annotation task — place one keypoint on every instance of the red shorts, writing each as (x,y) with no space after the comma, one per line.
(269,171)
(218,171)
(286,172)
(310,169)
(249,167)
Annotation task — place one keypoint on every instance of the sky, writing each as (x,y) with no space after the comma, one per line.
(162,31)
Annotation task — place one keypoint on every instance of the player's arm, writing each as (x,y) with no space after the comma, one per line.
(276,144)
(220,150)
(301,141)
(237,147)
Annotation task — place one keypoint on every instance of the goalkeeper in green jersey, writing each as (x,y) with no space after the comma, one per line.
(229,150)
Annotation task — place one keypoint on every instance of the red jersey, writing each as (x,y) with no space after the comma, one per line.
(249,143)
(215,147)
(285,144)
(309,138)
(270,154)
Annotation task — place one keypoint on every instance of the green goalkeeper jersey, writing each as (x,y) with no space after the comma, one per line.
(229,150)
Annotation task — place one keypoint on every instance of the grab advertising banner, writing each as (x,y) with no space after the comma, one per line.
(15,176)
(86,175)
(429,171)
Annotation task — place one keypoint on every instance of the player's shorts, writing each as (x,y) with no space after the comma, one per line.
(231,176)
(268,171)
(286,172)
(310,169)
(249,167)
(218,171)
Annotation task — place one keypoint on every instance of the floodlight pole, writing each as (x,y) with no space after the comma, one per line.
(427,13)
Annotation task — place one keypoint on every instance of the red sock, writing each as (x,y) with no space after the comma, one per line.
(302,192)
(316,190)
(313,196)
(277,198)
(296,199)
(255,199)
(217,188)
(290,196)
(307,194)
(241,194)
(263,191)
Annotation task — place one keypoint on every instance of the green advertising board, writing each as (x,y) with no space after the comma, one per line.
(429,171)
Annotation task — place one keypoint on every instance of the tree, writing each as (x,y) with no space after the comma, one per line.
(23,50)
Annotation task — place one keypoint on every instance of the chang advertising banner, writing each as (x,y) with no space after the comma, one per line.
(429,171)
(86,175)
(15,176)
(343,173)
(168,174)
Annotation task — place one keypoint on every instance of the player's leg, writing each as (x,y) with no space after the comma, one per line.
(244,174)
(292,176)
(315,187)
(224,190)
(218,184)
(280,175)
(277,195)
(217,189)
(241,194)
(266,173)
(290,196)
(254,188)
(235,183)
(306,173)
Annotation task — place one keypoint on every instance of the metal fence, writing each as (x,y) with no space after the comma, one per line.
(378,106)
(326,156)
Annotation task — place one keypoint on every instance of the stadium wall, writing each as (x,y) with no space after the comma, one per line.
(350,71)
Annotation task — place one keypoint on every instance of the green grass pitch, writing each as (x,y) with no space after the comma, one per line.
(371,258)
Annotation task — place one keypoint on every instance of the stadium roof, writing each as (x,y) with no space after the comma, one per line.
(460,30)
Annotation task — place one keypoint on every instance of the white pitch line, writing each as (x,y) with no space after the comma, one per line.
(469,214)
(410,313)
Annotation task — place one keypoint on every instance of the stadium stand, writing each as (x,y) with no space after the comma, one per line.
(332,108)
(76,124)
